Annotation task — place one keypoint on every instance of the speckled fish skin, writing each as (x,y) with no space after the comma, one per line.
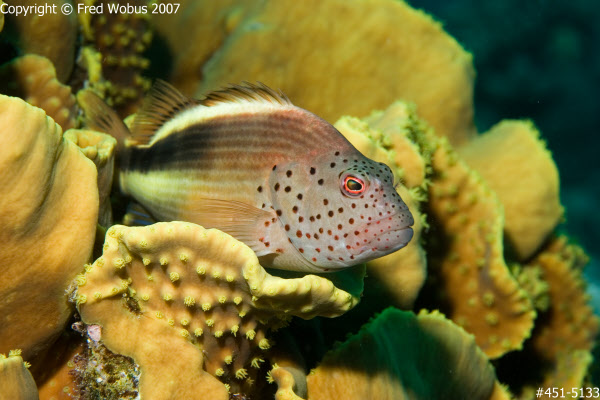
(275,176)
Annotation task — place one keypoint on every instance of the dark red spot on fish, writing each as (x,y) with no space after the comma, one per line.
(356,233)
(325,202)
(288,173)
(337,153)
(345,235)
(366,206)
(279,250)
(330,213)
(299,233)
(339,227)
(320,181)
(300,219)
(276,187)
(320,230)
(308,235)
(316,236)
(332,165)
(340,210)
(336,237)
(295,209)
(267,223)
(273,219)
(259,189)
(274,166)
(312,219)
(287,227)
(313,170)
(351,221)
(261,239)
(314,259)
(318,250)
(353,205)
(341,259)
(318,216)
(287,189)
(330,248)
(348,247)
(299,197)
(279,212)
(301,250)
(329,232)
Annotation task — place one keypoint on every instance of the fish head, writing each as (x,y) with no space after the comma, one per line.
(339,210)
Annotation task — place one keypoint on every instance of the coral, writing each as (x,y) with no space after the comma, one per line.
(201,292)
(52,35)
(48,216)
(120,39)
(100,148)
(518,168)
(333,58)
(54,372)
(33,78)
(567,331)
(16,381)
(466,256)
(402,356)
(393,137)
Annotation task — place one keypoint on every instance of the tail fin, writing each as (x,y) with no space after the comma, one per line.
(99,116)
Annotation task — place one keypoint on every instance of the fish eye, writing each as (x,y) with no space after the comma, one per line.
(353,185)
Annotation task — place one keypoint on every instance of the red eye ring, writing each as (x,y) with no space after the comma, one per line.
(354,185)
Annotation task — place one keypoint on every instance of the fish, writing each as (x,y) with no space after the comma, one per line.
(247,161)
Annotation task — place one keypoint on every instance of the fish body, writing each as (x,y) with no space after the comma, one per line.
(282,180)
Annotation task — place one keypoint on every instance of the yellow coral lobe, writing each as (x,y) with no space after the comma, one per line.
(184,333)
(174,276)
(97,295)
(237,300)
(82,298)
(145,297)
(235,329)
(184,257)
(250,334)
(222,299)
(219,372)
(210,322)
(118,263)
(185,322)
(167,297)
(229,278)
(146,261)
(200,270)
(228,360)
(198,332)
(163,261)
(206,306)
(218,334)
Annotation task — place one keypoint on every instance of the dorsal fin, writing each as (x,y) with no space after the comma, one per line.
(100,117)
(161,104)
(247,91)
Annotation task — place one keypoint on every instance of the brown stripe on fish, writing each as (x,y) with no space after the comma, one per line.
(239,140)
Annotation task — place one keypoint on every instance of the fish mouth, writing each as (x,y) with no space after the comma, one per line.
(383,236)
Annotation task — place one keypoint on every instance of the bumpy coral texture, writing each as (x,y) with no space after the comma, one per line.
(33,78)
(48,216)
(200,291)
(332,57)
(482,294)
(120,39)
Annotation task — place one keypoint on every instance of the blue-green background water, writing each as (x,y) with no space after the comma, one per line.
(540,59)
